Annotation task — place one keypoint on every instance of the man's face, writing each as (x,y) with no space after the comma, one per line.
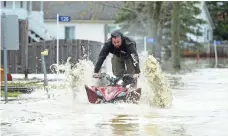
(117,42)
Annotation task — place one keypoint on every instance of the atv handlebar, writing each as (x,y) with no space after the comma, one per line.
(102,75)
(127,78)
(131,75)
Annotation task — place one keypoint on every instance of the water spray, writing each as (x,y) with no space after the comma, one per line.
(157,82)
(155,89)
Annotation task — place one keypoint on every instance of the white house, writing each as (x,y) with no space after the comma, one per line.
(24,11)
(207,28)
(89,20)
(15,7)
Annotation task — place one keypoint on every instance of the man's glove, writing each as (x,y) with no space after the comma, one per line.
(96,75)
(135,76)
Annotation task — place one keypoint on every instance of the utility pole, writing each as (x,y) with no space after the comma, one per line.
(29,10)
(5,56)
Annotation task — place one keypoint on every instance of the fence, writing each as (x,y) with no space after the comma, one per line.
(222,51)
(208,51)
(67,48)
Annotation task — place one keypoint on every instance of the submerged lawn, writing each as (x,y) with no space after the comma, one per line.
(11,94)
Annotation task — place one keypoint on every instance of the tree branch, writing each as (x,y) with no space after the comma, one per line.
(114,6)
(124,8)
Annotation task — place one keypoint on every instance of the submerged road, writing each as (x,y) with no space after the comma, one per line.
(200,108)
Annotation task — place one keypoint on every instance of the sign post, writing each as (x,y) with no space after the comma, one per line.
(59,19)
(5,56)
(43,54)
(215,49)
(147,40)
(145,44)
(9,41)
(57,42)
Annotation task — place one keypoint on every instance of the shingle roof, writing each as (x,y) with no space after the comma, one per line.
(79,10)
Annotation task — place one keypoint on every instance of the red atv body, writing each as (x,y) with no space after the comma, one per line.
(113,92)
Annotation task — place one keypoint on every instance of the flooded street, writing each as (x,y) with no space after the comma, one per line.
(59,58)
(200,108)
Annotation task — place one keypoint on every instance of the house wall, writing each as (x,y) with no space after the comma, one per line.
(9,4)
(88,31)
(15,8)
(206,29)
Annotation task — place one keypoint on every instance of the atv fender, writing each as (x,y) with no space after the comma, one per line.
(92,97)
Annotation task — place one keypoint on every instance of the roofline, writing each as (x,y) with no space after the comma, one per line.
(209,16)
(82,21)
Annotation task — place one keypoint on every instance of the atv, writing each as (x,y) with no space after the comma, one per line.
(119,89)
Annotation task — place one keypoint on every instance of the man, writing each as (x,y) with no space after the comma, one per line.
(124,53)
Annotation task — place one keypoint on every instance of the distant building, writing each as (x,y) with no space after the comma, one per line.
(222,16)
(88,20)
(207,28)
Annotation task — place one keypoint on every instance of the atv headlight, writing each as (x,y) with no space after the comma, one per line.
(121,94)
(128,86)
(120,82)
(98,93)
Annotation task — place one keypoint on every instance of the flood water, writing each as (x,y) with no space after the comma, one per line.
(199,108)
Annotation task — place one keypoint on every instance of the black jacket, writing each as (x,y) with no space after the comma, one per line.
(126,50)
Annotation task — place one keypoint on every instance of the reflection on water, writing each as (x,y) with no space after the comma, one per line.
(200,101)
(123,125)
(189,65)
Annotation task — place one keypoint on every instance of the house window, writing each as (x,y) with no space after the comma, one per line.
(21,4)
(70,32)
(205,34)
(208,34)
(4,3)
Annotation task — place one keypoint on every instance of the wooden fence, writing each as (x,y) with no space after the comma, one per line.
(222,51)
(67,48)
(209,51)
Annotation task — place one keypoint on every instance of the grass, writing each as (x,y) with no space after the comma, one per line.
(23,84)
(11,94)
(15,93)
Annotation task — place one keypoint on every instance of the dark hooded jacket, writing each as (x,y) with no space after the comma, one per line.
(126,50)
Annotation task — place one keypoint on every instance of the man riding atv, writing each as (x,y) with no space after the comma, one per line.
(124,53)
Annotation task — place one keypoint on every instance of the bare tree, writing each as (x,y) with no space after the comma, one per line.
(175,26)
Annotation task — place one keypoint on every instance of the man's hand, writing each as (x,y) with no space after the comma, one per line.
(96,75)
(135,76)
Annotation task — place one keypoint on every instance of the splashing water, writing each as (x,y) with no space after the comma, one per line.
(158,83)
(76,76)
(155,89)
